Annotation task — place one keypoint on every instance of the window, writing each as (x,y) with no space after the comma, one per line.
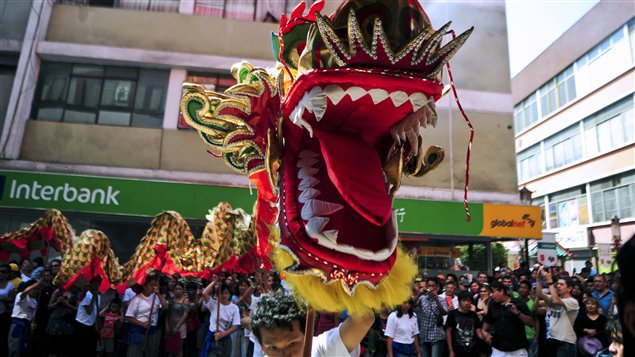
(217,82)
(557,92)
(252,10)
(613,196)
(108,95)
(526,113)
(568,208)
(563,148)
(605,61)
(529,163)
(610,128)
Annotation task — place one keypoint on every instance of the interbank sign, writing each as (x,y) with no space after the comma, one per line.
(112,195)
(149,198)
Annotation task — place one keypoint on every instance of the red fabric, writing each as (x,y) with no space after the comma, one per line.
(355,169)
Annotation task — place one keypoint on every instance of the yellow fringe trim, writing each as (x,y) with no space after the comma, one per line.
(331,296)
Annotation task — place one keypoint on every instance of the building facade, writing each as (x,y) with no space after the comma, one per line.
(95,105)
(575,133)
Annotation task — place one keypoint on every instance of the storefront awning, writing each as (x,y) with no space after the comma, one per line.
(560,250)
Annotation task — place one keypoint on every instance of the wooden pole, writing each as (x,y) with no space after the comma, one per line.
(145,337)
(308,331)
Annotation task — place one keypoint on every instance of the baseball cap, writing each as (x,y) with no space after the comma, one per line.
(419,278)
(14,267)
(465,282)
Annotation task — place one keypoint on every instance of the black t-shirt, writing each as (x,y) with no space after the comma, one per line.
(463,327)
(508,329)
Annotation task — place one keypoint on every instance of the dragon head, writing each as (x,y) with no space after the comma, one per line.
(342,84)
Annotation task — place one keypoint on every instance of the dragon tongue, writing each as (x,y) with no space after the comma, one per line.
(355,169)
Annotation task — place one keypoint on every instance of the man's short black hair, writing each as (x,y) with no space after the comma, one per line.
(497,285)
(464,295)
(276,310)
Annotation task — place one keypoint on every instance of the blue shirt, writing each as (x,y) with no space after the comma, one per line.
(605,301)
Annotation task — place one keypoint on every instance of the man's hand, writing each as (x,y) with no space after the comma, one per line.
(514,309)
(487,337)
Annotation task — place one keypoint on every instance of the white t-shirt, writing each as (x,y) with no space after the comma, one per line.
(402,329)
(330,344)
(561,319)
(24,309)
(229,315)
(140,306)
(128,295)
(252,337)
(82,316)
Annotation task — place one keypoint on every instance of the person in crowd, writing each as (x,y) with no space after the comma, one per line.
(277,322)
(602,294)
(194,295)
(26,269)
(524,294)
(224,320)
(111,322)
(23,310)
(482,277)
(509,284)
(86,318)
(430,312)
(375,341)
(475,288)
(55,265)
(463,328)
(15,274)
(523,269)
(143,316)
(60,330)
(38,262)
(241,301)
(480,307)
(508,317)
(402,332)
(7,295)
(616,338)
(464,285)
(42,312)
(176,321)
(589,265)
(589,328)
(626,294)
(561,314)
(448,298)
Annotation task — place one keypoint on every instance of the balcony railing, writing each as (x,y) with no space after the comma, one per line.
(250,10)
(142,5)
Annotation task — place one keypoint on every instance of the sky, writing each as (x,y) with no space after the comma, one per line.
(534,25)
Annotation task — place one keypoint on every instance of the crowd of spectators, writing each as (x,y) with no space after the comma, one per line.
(537,312)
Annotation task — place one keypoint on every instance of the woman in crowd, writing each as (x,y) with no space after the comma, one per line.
(402,332)
(176,322)
(485,292)
(7,293)
(589,328)
(59,330)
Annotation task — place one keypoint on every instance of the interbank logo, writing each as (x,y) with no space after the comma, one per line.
(61,193)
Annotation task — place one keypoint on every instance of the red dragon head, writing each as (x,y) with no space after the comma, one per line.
(343,84)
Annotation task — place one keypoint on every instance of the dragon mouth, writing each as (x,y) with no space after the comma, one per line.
(335,195)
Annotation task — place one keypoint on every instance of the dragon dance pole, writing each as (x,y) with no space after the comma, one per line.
(308,331)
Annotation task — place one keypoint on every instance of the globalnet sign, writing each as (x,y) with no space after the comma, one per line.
(66,192)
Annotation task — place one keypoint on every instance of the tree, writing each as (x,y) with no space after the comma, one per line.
(478,261)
